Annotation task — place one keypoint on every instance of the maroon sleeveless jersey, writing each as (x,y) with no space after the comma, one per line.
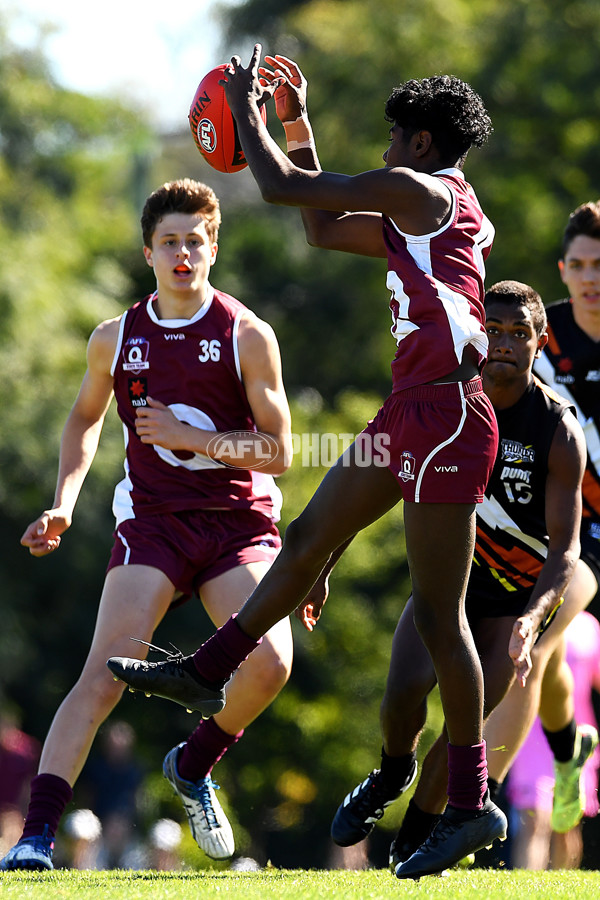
(436,281)
(192,366)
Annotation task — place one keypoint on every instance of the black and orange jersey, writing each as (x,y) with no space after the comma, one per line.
(512,540)
(570,364)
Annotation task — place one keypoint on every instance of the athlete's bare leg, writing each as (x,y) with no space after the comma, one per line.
(349,498)
(258,680)
(531,847)
(567,849)
(512,719)
(133,602)
(412,677)
(557,706)
(440,541)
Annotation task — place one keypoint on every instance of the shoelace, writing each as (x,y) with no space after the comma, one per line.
(168,653)
(373,792)
(442,829)
(43,843)
(201,793)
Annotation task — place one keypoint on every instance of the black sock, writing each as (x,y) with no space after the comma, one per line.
(493,788)
(187,664)
(562,743)
(416,825)
(396,769)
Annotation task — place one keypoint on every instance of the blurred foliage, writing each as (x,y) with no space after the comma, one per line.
(535,63)
(74,172)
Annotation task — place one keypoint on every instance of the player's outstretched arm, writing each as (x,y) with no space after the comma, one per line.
(79,442)
(328,229)
(417,201)
(566,465)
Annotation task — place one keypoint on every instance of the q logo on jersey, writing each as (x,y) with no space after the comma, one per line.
(407,467)
(135,355)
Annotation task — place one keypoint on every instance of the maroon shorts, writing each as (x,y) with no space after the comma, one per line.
(441,440)
(192,547)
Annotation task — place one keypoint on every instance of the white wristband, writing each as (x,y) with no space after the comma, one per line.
(298,134)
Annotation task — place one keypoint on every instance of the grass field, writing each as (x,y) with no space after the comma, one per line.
(479,884)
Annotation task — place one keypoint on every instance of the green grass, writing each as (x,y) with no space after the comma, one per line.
(479,884)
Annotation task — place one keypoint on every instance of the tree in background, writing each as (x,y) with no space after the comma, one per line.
(535,62)
(67,234)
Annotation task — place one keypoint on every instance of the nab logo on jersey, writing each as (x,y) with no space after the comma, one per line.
(138,391)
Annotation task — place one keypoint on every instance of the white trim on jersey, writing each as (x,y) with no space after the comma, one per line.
(484,238)
(463,404)
(180,323)
(127,548)
(113,365)
(495,516)
(422,255)
(451,170)
(263,484)
(235,344)
(122,505)
(544,369)
(464,326)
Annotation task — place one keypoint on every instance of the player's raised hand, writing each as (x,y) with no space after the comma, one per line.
(520,647)
(290,94)
(243,85)
(43,535)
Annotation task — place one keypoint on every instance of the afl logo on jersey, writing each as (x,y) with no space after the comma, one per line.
(135,355)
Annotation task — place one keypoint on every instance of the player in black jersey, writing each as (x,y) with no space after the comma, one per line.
(527,550)
(570,364)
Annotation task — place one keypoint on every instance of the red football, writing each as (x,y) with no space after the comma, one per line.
(213,126)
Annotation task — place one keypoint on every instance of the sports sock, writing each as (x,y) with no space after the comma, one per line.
(395,770)
(50,795)
(219,656)
(203,749)
(416,826)
(562,743)
(467,776)
(493,788)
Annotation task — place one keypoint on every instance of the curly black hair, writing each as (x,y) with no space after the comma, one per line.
(445,106)
(515,293)
(583,220)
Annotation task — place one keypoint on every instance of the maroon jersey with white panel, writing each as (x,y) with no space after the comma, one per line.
(436,281)
(192,366)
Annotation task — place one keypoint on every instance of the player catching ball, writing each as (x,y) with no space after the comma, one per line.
(439,426)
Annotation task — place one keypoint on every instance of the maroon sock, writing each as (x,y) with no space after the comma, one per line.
(49,797)
(467,776)
(203,749)
(219,656)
